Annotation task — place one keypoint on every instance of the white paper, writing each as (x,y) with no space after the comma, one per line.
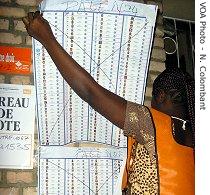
(112,41)
(17,119)
(82,170)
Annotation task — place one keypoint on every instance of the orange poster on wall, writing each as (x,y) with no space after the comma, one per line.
(15,60)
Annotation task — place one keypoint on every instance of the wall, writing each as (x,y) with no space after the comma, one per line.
(179,9)
(158,56)
(13,33)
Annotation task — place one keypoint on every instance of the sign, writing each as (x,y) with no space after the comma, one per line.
(15,60)
(17,119)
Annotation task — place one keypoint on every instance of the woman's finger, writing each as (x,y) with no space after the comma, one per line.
(30,16)
(36,14)
(25,21)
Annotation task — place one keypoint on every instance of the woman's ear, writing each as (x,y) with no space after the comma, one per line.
(161,97)
(158,100)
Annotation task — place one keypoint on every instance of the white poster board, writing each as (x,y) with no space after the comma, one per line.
(79,170)
(17,119)
(111,40)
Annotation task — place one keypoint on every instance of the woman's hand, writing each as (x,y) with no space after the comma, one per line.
(38,27)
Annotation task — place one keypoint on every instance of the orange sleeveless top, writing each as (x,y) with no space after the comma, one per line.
(175,162)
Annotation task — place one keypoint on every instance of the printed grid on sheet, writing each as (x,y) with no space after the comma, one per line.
(116,59)
(114,47)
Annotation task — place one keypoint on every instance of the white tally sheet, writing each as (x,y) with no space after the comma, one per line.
(111,40)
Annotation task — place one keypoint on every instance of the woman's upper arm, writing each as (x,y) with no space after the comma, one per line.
(110,105)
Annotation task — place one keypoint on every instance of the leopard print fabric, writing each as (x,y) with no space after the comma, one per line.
(143,176)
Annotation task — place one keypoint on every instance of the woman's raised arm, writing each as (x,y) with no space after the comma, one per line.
(108,104)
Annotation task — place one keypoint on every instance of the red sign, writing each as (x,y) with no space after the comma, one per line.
(15,60)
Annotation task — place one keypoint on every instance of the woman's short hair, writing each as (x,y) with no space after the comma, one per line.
(180,87)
